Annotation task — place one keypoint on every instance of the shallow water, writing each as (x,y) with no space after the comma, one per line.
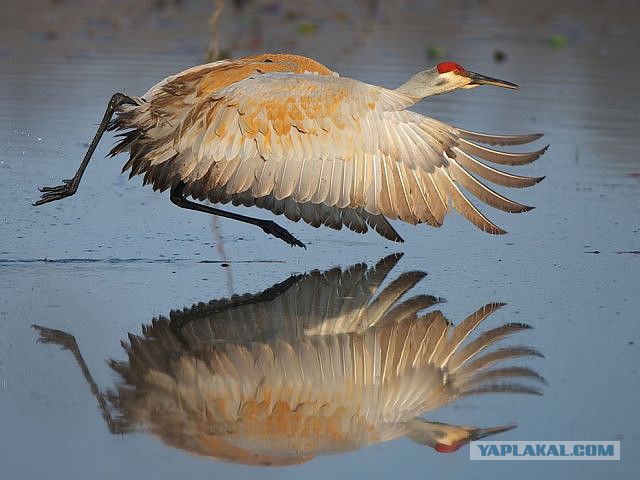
(116,255)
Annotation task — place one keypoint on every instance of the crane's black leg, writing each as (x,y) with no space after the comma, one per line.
(70,186)
(268,226)
(68,342)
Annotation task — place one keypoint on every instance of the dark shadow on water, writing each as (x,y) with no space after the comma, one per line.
(30,261)
(321,363)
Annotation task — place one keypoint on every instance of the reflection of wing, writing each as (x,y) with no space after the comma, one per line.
(325,303)
(314,366)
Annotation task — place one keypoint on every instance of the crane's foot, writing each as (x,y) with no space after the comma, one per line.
(277,231)
(57,337)
(51,194)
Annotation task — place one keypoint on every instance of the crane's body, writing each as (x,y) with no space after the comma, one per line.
(285,133)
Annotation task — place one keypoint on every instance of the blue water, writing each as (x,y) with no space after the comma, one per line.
(116,255)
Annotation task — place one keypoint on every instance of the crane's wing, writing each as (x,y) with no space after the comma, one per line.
(290,142)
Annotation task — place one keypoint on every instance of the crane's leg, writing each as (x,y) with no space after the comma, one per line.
(70,186)
(68,342)
(268,226)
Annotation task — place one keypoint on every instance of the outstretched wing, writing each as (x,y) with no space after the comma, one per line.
(326,140)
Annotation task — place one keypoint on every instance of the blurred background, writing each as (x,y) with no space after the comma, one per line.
(116,255)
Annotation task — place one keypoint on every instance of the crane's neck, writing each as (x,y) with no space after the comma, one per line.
(430,82)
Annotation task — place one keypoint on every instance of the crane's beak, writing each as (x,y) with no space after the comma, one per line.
(477,79)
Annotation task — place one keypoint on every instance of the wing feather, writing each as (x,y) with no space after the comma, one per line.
(498,139)
(319,139)
(357,220)
(437,198)
(496,156)
(492,174)
(420,197)
(482,192)
(461,203)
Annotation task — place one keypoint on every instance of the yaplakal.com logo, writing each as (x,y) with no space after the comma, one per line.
(544,450)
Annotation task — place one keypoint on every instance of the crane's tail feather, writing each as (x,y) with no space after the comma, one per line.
(126,140)
(128,117)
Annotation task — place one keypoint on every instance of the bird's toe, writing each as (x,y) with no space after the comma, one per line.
(51,194)
(277,231)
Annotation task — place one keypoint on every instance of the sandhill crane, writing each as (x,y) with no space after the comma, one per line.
(285,133)
(321,363)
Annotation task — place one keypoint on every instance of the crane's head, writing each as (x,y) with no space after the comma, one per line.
(453,73)
(446,77)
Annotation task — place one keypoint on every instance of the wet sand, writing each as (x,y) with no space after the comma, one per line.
(109,259)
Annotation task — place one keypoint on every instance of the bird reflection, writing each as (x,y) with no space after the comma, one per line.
(322,363)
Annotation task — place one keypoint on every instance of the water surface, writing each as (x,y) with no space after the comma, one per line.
(106,261)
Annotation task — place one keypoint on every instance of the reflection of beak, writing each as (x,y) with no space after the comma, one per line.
(479,433)
(477,79)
